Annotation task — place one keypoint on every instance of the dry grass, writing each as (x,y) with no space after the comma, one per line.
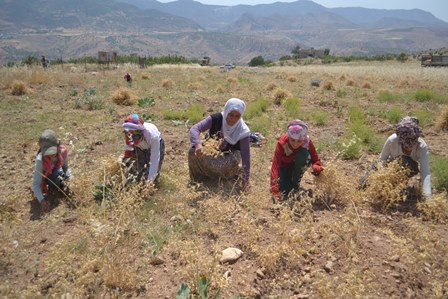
(280,95)
(142,242)
(350,83)
(18,88)
(167,83)
(292,79)
(123,96)
(442,120)
(328,85)
(146,76)
(366,85)
(232,80)
(385,186)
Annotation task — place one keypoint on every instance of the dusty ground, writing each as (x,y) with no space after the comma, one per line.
(147,248)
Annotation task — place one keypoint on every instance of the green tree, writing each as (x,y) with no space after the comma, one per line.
(402,57)
(256,61)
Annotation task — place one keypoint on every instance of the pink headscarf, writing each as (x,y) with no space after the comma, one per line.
(298,130)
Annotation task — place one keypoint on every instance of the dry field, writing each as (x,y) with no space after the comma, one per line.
(337,242)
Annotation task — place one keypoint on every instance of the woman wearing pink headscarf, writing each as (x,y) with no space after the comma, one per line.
(229,127)
(294,153)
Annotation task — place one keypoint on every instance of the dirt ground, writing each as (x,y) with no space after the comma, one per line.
(79,250)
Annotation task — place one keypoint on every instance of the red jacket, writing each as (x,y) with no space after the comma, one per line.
(281,159)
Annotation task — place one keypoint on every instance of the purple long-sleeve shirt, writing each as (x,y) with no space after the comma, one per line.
(205,125)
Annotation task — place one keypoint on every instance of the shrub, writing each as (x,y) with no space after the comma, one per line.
(424,117)
(271,86)
(18,88)
(366,85)
(341,93)
(257,61)
(351,148)
(123,96)
(260,124)
(442,121)
(167,83)
(328,85)
(439,170)
(394,115)
(384,188)
(256,108)
(292,107)
(424,95)
(146,102)
(95,104)
(387,96)
(279,96)
(319,117)
(292,79)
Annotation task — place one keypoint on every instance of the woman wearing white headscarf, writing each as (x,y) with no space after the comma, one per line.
(229,127)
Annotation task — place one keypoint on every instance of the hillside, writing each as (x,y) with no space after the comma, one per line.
(66,29)
(140,242)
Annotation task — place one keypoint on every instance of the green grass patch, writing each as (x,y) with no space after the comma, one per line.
(292,107)
(319,117)
(260,124)
(340,93)
(439,171)
(356,115)
(256,108)
(194,114)
(427,95)
(394,115)
(386,96)
(425,117)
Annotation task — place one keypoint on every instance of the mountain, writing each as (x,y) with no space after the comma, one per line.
(67,28)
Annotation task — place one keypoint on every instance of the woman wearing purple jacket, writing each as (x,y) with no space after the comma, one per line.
(229,128)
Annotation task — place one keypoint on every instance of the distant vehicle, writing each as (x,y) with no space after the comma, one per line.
(205,61)
(227,66)
(434,60)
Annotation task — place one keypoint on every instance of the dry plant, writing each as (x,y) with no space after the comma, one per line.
(210,147)
(350,82)
(18,88)
(328,85)
(342,77)
(202,78)
(232,80)
(195,86)
(435,209)
(280,76)
(292,78)
(334,187)
(271,86)
(385,186)
(366,85)
(124,96)
(442,121)
(146,76)
(279,96)
(220,89)
(167,83)
(37,77)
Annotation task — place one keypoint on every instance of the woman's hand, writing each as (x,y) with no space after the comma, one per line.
(198,150)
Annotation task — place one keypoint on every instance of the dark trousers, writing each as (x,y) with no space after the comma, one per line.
(291,175)
(56,180)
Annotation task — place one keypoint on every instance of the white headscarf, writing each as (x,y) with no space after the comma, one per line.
(233,134)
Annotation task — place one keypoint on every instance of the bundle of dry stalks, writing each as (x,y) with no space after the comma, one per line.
(442,122)
(435,209)
(123,96)
(210,147)
(333,186)
(18,88)
(385,186)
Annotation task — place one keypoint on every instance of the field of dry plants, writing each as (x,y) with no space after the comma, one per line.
(137,242)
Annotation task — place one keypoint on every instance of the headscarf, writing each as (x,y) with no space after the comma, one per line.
(408,131)
(49,145)
(233,134)
(298,130)
(131,123)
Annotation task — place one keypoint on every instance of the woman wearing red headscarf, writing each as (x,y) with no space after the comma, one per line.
(293,154)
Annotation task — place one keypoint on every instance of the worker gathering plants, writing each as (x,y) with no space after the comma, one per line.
(294,153)
(229,127)
(51,170)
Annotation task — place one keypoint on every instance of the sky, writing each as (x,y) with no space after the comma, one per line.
(439,8)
